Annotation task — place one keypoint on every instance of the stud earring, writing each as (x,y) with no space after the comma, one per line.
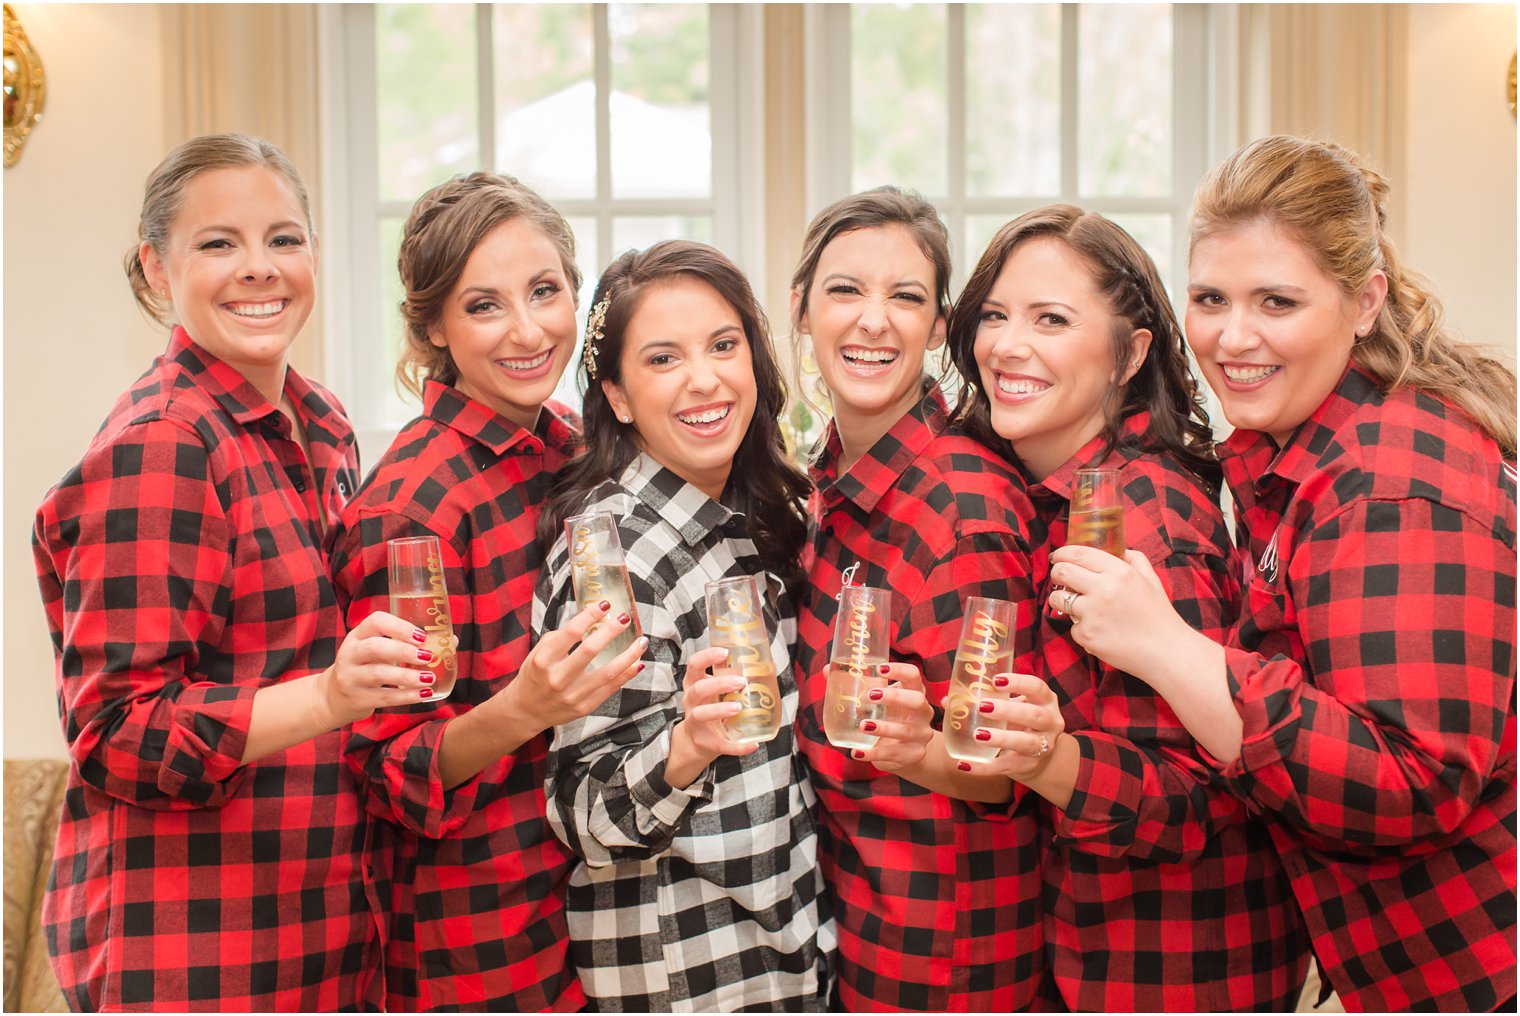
(626,419)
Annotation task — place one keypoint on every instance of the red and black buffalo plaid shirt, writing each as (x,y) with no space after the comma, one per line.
(1161,894)
(181,571)
(476,878)
(1374,670)
(938,907)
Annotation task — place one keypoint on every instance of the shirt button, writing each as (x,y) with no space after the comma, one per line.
(300,482)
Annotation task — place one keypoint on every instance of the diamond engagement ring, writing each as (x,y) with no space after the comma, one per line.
(1044,746)
(1071,598)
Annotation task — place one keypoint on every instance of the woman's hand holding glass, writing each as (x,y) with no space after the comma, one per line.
(382,662)
(701,735)
(1033,720)
(904,732)
(1120,612)
(560,681)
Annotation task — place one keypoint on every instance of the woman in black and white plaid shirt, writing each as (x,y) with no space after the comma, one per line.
(698,888)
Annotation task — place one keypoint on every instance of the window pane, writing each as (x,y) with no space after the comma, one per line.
(1125,100)
(661,132)
(637,232)
(898,96)
(1013,99)
(1154,233)
(979,232)
(426,96)
(395,408)
(546,97)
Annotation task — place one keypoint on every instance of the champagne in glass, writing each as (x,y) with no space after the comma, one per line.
(420,596)
(1097,511)
(860,648)
(736,621)
(985,650)
(598,572)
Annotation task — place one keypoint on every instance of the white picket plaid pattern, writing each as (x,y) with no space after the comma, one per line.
(707,898)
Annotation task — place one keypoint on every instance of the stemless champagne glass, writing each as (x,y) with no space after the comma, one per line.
(859,650)
(736,621)
(598,572)
(420,596)
(1097,511)
(985,650)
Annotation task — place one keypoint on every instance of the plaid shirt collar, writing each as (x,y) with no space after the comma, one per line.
(246,404)
(1058,484)
(680,505)
(553,434)
(1251,453)
(878,470)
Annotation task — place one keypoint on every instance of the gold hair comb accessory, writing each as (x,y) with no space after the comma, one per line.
(594,324)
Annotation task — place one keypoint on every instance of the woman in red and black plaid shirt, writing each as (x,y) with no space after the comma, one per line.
(1161,893)
(1366,698)
(472,877)
(209,852)
(937,908)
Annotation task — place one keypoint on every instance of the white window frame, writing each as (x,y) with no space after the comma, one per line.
(351,210)
(1200,126)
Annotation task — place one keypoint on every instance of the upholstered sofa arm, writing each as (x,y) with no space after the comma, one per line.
(33,795)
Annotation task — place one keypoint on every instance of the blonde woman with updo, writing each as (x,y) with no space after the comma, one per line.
(1365,701)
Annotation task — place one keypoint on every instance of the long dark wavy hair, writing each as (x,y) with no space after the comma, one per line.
(1164,384)
(763,482)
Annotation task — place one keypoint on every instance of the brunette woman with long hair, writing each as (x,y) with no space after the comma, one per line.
(697,887)
(1161,892)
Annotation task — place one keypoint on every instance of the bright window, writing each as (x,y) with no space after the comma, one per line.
(642,122)
(608,110)
(990,110)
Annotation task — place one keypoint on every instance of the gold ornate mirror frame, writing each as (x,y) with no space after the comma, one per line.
(1512,86)
(25,87)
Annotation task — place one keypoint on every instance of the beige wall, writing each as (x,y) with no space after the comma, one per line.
(73,339)
(1459,167)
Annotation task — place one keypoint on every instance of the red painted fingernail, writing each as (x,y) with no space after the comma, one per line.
(984,735)
(885,668)
(426,676)
(425,655)
(1000,682)
(876,694)
(857,754)
(868,725)
(639,668)
(604,606)
(985,707)
(623,619)
(964,767)
(418,635)
(425,693)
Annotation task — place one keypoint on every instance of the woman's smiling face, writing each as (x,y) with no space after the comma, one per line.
(1045,352)
(688,380)
(1271,330)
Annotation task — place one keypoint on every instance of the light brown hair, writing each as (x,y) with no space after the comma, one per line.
(445,226)
(1334,204)
(164,195)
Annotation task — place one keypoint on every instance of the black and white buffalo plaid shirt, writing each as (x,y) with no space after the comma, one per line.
(702,899)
